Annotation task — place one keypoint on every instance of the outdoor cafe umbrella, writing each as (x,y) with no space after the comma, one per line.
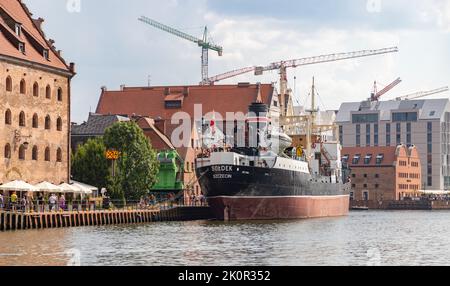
(18,186)
(86,189)
(70,188)
(47,187)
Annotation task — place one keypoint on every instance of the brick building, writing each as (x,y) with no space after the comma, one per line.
(383,173)
(162,103)
(34,100)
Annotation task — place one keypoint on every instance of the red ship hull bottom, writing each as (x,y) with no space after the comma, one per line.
(273,208)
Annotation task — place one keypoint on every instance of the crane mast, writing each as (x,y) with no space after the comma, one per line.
(203,43)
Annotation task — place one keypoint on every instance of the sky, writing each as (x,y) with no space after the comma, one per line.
(111,47)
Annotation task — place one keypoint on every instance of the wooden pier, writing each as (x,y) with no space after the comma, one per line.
(45,220)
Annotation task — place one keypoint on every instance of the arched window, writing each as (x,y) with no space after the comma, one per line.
(35,121)
(60,94)
(59,155)
(47,154)
(23,86)
(36,89)
(8,119)
(22,119)
(35,153)
(59,124)
(7,151)
(47,122)
(8,84)
(22,152)
(48,92)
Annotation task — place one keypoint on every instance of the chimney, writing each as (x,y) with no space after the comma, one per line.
(59,53)
(38,22)
(122,87)
(72,67)
(258,96)
(104,89)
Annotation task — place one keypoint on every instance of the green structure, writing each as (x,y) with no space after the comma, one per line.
(170,172)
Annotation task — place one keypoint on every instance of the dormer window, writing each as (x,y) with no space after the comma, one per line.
(356,159)
(18,29)
(45,54)
(367,159)
(22,48)
(380,158)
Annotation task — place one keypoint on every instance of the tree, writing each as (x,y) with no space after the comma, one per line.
(89,164)
(137,165)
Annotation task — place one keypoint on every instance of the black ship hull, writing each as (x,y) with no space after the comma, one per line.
(250,193)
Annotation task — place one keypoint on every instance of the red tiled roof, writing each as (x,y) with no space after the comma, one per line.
(30,32)
(389,155)
(151,101)
(159,140)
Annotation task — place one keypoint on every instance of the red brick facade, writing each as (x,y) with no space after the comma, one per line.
(383,173)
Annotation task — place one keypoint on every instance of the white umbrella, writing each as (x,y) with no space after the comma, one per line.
(70,188)
(18,186)
(48,188)
(86,186)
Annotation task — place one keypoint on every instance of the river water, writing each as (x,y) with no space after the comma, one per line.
(363,238)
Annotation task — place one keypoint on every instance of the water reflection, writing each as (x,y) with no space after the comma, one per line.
(363,238)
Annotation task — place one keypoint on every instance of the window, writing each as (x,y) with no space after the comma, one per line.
(35,121)
(60,94)
(388,134)
(22,119)
(36,89)
(366,196)
(367,159)
(18,29)
(356,159)
(430,181)
(59,155)
(341,134)
(47,154)
(22,152)
(23,86)
(47,122)
(7,151)
(380,158)
(59,124)
(8,119)
(430,127)
(45,54)
(345,159)
(377,186)
(377,176)
(368,135)
(358,140)
(35,153)
(364,118)
(175,104)
(48,92)
(8,84)
(404,116)
(22,48)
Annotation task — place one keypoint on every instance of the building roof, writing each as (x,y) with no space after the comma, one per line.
(96,124)
(388,153)
(14,11)
(152,101)
(429,109)
(148,124)
(387,156)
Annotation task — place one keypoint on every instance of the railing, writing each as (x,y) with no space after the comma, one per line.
(98,204)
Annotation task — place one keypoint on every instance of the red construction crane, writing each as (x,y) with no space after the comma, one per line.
(376,95)
(283,65)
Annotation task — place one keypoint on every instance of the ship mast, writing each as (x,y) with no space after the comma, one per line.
(310,123)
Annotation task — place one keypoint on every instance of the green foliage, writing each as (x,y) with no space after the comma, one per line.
(137,166)
(89,164)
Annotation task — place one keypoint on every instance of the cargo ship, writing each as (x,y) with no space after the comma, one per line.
(270,181)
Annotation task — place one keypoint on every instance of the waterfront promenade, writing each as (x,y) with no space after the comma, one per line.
(43,220)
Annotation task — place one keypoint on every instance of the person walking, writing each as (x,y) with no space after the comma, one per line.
(52,200)
(23,203)
(2,201)
(62,202)
(13,201)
